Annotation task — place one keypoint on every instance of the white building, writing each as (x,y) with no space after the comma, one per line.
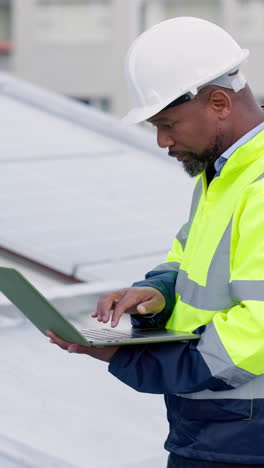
(76,47)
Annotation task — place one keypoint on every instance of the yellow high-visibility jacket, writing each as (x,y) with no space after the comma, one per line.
(220,280)
(214,388)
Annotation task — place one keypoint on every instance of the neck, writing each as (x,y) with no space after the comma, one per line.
(246,121)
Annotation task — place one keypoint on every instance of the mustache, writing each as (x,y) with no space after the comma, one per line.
(182,154)
(175,153)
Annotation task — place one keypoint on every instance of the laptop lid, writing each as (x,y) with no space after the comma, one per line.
(46,317)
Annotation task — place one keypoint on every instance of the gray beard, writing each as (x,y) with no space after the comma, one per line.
(199,163)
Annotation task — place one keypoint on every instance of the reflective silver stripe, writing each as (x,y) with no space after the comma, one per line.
(217,359)
(259,178)
(248,386)
(203,297)
(184,231)
(167,266)
(248,391)
(183,234)
(216,294)
(198,190)
(243,290)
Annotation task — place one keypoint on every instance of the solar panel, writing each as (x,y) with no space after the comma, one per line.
(81,202)
(40,134)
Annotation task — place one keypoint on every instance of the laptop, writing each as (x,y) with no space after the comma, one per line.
(46,317)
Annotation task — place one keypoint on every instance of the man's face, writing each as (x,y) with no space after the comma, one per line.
(192,133)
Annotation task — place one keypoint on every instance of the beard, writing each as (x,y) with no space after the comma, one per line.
(194,163)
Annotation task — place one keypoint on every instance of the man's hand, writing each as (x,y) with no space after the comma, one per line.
(141,300)
(103,354)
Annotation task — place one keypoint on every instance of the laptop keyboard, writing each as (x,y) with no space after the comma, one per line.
(105,335)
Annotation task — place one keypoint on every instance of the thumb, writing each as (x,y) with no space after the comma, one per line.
(153,305)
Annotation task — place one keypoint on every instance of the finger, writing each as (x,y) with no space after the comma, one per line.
(79,349)
(58,340)
(107,303)
(104,306)
(154,305)
(102,353)
(91,351)
(127,303)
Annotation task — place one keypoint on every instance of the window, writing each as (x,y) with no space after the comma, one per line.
(73,20)
(155,11)
(248,19)
(5,27)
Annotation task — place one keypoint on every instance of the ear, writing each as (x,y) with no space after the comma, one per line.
(221,103)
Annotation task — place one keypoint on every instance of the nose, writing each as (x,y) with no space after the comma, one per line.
(163,139)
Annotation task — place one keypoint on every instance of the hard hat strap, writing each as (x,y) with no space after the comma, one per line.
(232,80)
(180,100)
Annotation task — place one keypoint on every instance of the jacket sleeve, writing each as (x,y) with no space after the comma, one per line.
(167,367)
(236,335)
(164,281)
(164,368)
(163,278)
(231,350)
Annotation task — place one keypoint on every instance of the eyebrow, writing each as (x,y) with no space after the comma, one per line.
(161,119)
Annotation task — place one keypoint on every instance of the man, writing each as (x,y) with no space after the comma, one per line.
(186,79)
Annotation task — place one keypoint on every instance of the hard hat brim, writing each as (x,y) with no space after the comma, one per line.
(140,114)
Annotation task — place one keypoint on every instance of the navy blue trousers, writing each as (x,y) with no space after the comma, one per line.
(178,462)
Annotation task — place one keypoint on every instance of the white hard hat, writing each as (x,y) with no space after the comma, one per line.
(174,59)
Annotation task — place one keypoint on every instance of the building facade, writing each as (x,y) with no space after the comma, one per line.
(77,47)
